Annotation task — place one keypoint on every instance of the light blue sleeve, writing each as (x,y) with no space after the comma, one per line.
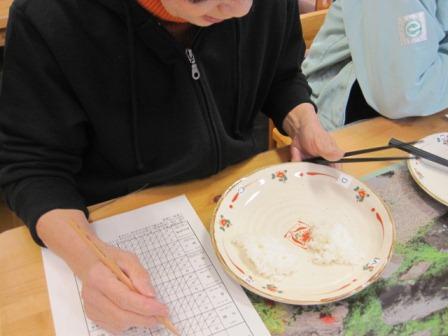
(400,53)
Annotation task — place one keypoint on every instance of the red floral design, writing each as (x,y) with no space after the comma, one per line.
(280,175)
(299,234)
(361,194)
(224,223)
(371,264)
(272,288)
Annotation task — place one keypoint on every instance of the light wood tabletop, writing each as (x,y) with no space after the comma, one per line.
(24,303)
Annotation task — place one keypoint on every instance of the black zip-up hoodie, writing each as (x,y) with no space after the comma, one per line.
(99,100)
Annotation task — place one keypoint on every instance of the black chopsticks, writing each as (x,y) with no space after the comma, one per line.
(366,159)
(418,152)
(376,149)
(346,158)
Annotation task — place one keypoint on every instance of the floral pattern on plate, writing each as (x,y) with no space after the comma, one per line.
(430,176)
(281,207)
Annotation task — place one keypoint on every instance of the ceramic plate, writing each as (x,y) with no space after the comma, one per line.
(281,201)
(430,176)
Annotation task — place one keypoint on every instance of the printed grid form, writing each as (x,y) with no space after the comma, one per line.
(185,279)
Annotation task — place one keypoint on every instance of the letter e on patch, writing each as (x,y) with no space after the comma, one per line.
(412,28)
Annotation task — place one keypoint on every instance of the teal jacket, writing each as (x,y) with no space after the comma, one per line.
(397,50)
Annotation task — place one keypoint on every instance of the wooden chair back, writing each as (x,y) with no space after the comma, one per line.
(323,4)
(311,24)
(4,12)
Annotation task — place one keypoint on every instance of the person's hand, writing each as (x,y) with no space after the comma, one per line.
(111,304)
(309,139)
(108,302)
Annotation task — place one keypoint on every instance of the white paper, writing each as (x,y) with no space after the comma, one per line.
(174,246)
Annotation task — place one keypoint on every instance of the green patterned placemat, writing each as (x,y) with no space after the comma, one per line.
(411,298)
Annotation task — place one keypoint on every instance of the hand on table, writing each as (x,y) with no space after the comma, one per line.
(111,304)
(309,139)
(108,302)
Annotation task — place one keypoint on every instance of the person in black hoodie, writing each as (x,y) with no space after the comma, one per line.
(100,98)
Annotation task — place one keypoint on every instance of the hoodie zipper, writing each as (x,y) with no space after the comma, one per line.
(196,75)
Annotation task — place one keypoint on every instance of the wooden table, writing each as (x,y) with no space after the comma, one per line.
(24,303)
(4,12)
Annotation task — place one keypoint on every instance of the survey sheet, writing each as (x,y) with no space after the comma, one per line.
(174,246)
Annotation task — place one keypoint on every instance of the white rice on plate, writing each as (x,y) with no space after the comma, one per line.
(270,257)
(275,258)
(333,244)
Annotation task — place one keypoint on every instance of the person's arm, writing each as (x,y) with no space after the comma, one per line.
(289,87)
(400,54)
(289,104)
(107,301)
(42,127)
(42,140)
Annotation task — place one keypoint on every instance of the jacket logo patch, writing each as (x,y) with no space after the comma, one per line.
(412,28)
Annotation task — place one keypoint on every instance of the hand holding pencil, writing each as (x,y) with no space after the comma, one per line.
(117,291)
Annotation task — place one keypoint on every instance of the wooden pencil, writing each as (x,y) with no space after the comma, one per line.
(115,269)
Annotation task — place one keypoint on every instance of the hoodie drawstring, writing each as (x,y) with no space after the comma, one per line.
(132,74)
(236,125)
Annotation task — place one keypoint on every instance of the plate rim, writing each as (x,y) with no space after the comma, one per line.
(375,276)
(416,179)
